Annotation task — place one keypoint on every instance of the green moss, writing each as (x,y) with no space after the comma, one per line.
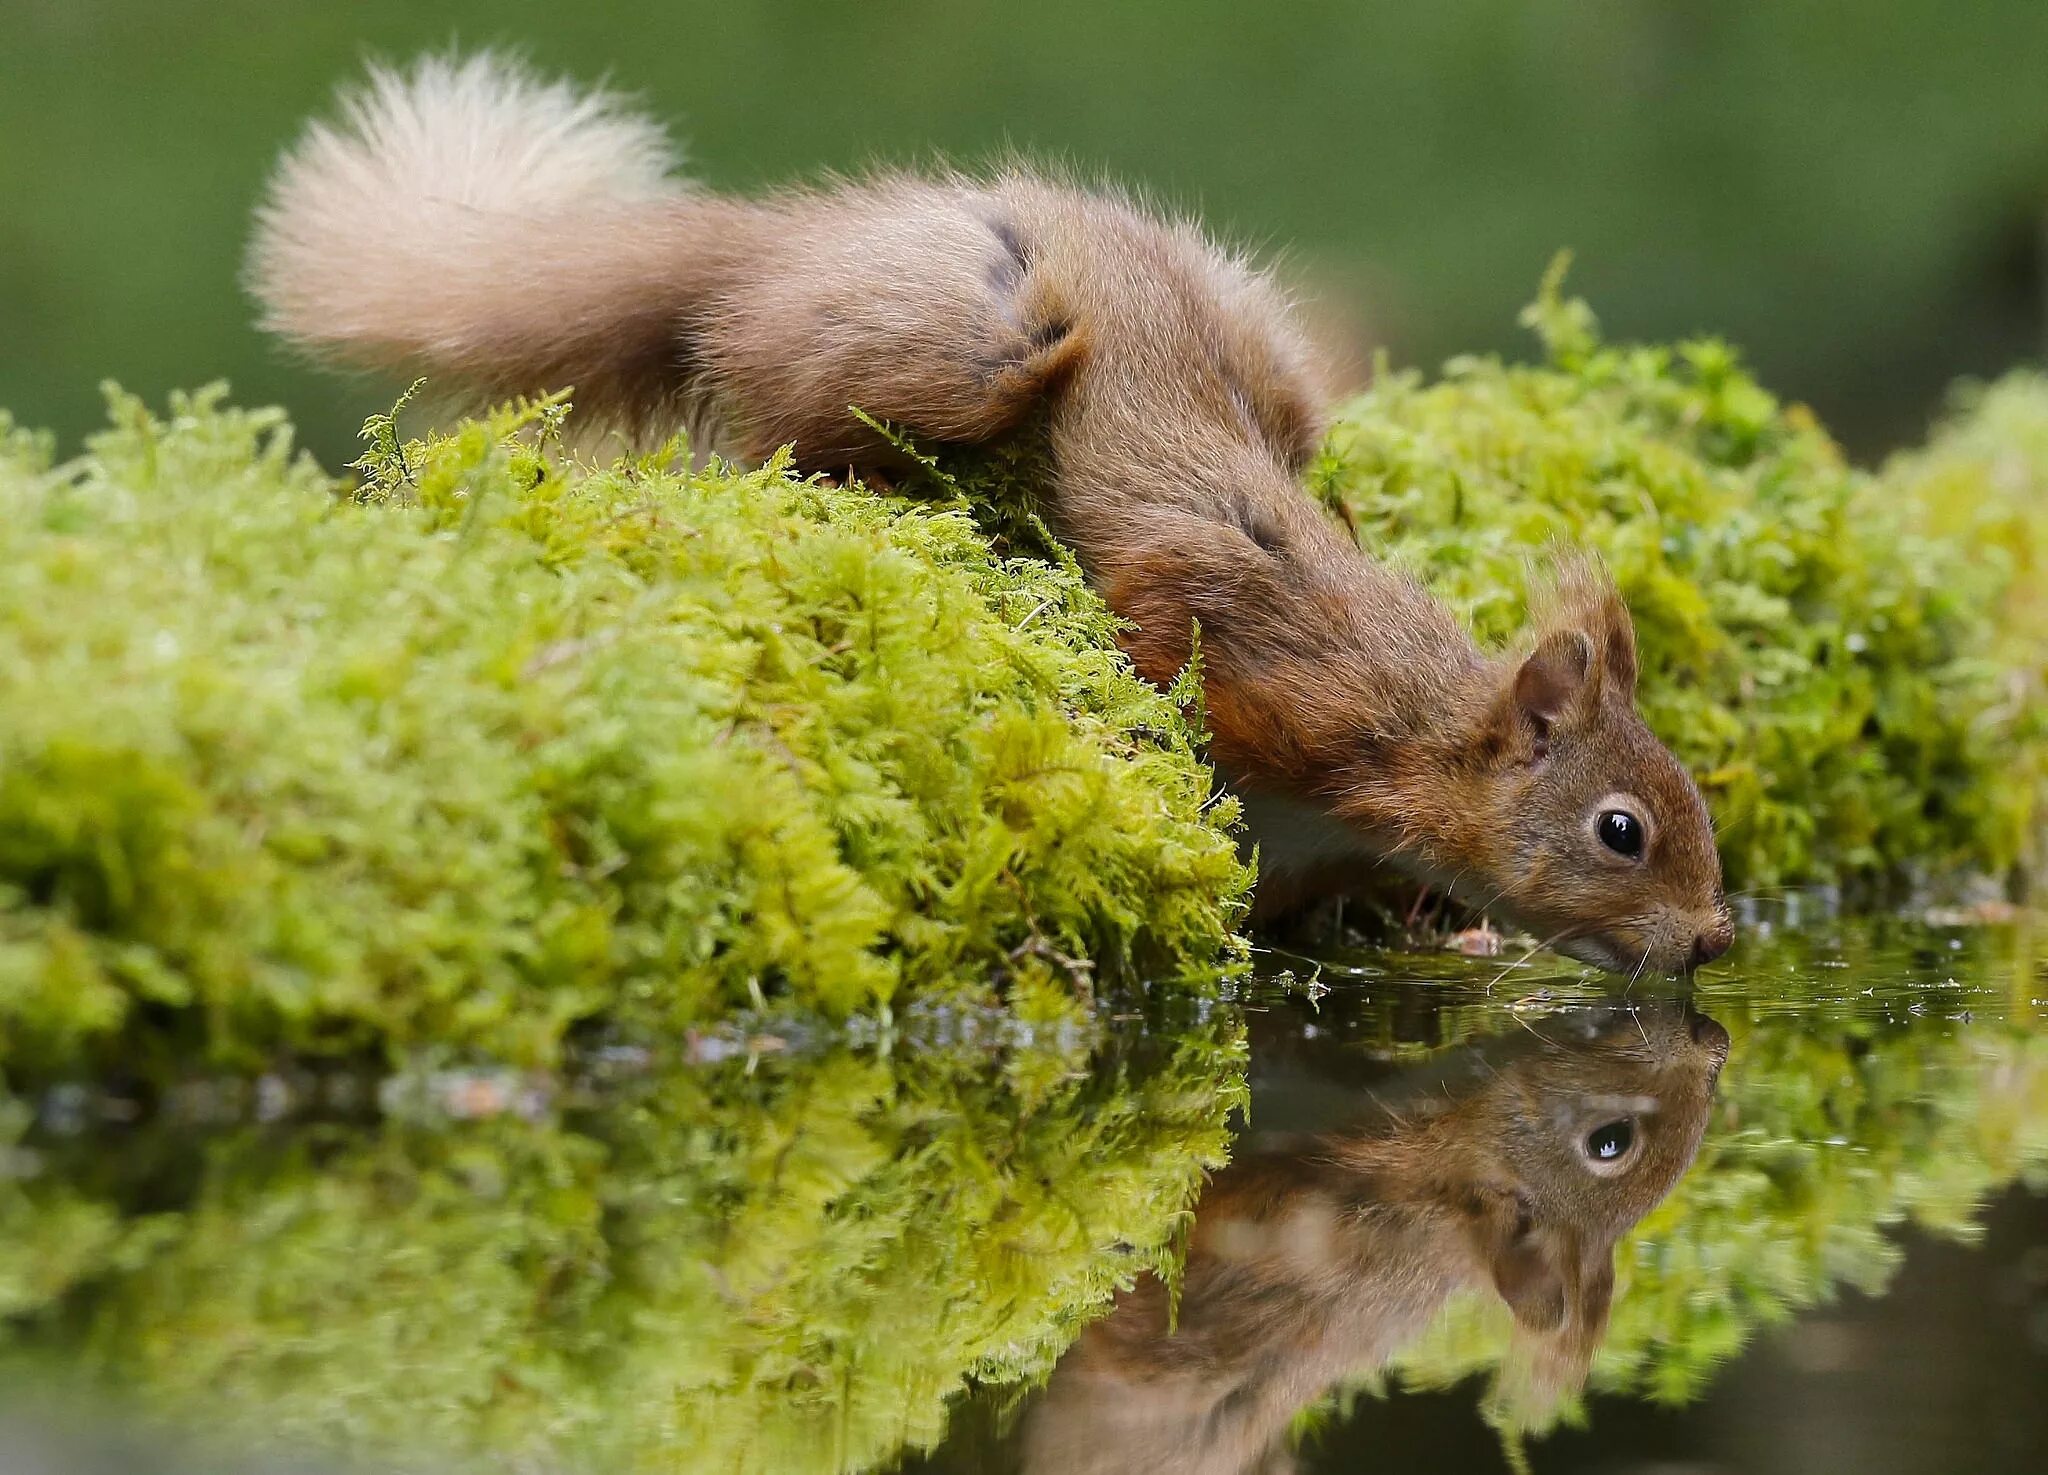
(1841,657)
(504,743)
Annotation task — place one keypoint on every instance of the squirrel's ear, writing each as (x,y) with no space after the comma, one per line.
(1618,650)
(1552,677)
(1525,1260)
(1560,1301)
(1553,1283)
(1582,603)
(1529,1277)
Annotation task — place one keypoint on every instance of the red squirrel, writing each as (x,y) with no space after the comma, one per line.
(505,234)
(1315,1260)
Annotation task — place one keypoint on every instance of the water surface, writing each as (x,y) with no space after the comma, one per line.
(1476,1214)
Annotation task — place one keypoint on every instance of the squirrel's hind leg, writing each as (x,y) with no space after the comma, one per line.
(913,302)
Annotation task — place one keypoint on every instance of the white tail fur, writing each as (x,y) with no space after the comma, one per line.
(407,230)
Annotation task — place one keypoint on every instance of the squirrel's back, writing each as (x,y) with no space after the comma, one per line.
(504,233)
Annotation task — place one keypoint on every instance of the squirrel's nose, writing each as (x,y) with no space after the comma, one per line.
(1710,944)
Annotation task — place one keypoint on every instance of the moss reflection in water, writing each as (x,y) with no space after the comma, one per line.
(793,1263)
(1869,1087)
(779,1266)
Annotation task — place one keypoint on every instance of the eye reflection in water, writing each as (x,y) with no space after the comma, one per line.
(1316,1257)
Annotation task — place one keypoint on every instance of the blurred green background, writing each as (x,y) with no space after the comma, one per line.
(1855,192)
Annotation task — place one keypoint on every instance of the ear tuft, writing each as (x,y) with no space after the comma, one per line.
(1581,598)
(1618,653)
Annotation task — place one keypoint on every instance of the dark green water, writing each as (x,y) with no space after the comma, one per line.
(1478,1215)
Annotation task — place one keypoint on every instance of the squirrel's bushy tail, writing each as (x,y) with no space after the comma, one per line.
(494,229)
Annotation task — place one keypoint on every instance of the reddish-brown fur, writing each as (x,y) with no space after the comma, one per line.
(1180,398)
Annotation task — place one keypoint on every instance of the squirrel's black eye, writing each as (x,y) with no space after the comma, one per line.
(1608,1143)
(1621,832)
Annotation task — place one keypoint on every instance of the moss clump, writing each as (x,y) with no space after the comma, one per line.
(503,743)
(1843,658)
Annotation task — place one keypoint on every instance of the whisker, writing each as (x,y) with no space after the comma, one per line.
(1539,947)
(1487,905)
(1528,1026)
(1638,974)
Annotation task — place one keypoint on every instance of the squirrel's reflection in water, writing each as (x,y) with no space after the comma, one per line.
(1315,1259)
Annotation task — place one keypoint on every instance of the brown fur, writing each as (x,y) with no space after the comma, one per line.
(1313,1263)
(1180,398)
